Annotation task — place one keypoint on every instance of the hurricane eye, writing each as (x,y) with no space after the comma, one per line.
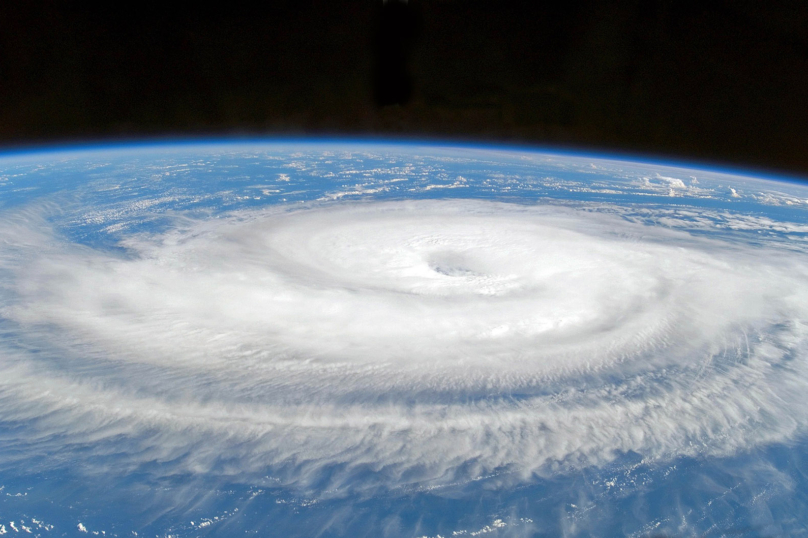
(453,264)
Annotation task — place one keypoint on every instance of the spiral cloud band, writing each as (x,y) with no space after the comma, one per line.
(404,342)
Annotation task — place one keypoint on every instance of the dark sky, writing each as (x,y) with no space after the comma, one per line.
(723,81)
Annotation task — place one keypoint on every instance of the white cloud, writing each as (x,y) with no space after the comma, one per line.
(672,182)
(425,341)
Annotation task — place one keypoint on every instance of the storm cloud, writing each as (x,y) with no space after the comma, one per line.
(398,343)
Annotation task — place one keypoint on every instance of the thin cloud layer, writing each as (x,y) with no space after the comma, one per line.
(399,343)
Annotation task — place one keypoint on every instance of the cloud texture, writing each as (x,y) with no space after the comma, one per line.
(399,344)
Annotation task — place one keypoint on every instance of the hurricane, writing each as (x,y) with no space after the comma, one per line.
(371,346)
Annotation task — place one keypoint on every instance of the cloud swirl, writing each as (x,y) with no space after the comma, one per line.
(404,343)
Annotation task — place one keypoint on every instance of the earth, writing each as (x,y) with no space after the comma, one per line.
(352,338)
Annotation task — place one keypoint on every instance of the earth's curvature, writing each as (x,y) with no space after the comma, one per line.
(324,338)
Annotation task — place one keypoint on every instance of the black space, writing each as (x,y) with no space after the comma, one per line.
(722,81)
